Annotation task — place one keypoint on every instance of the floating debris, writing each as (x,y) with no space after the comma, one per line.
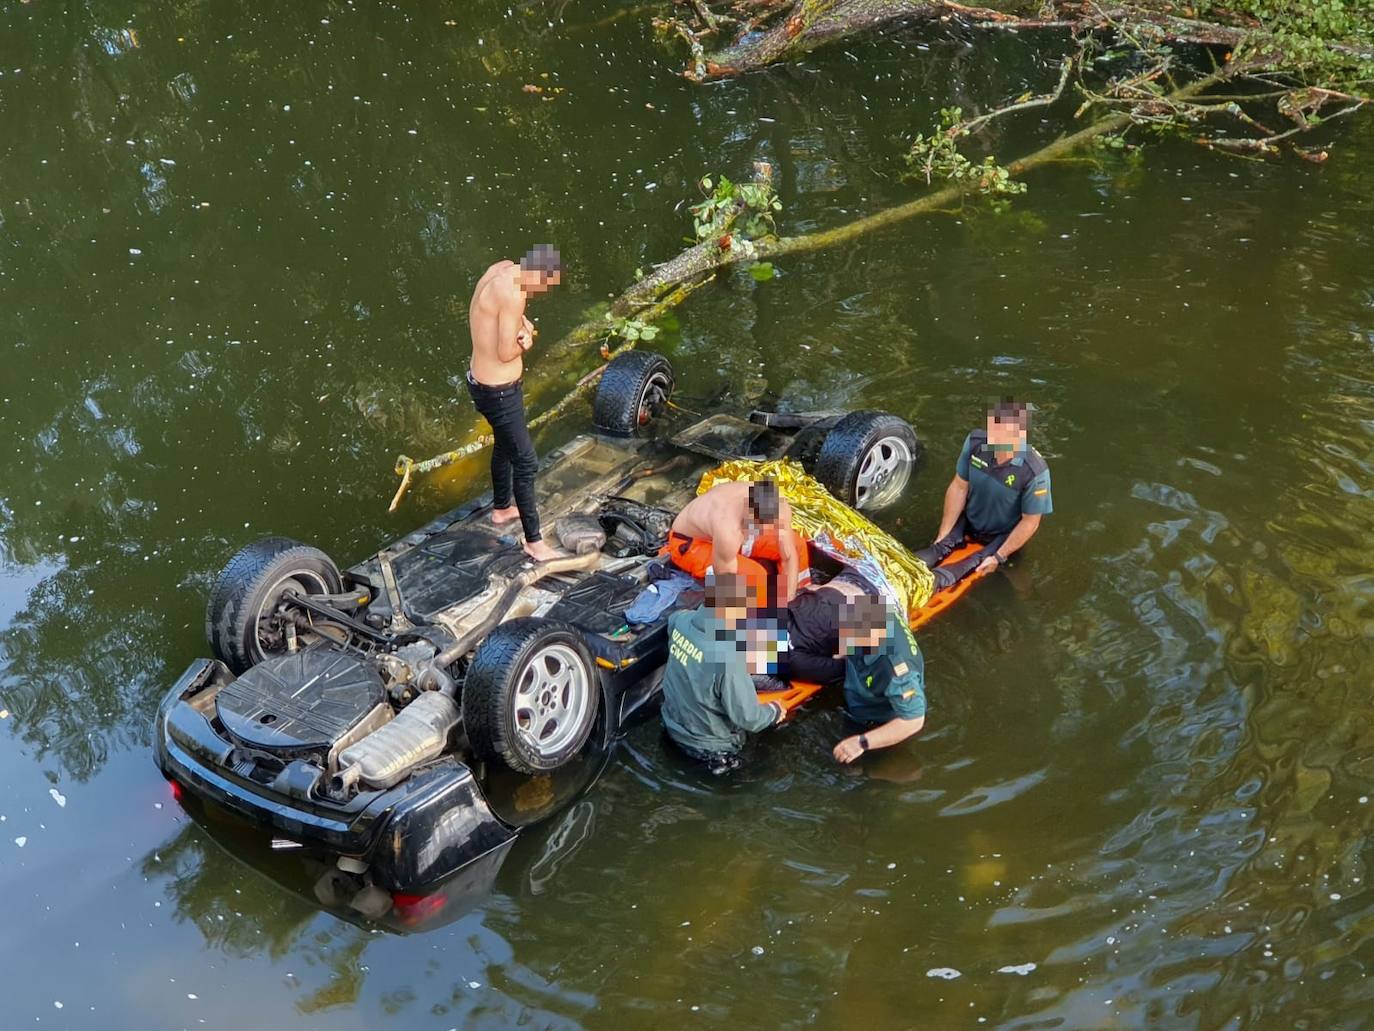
(1020,969)
(21,841)
(58,797)
(944,973)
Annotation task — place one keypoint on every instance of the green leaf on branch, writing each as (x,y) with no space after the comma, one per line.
(747,207)
(937,156)
(631,329)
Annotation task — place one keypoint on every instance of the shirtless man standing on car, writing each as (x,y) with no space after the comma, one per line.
(732,525)
(501,334)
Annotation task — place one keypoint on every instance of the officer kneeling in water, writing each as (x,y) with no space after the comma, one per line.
(884,677)
(708,696)
(1000,489)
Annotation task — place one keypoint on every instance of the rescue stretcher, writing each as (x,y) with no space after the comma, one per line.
(801,691)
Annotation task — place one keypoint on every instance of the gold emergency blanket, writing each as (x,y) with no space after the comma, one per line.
(815,509)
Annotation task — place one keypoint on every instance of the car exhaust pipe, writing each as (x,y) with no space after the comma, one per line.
(434,677)
(343,783)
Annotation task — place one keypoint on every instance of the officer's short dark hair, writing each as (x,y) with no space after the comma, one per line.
(863,615)
(544,259)
(1008,410)
(727,591)
(765,502)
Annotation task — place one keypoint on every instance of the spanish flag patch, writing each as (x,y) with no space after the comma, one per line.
(1042,491)
(901,670)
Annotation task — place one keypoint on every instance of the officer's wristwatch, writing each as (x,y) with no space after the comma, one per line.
(1000,560)
(863,742)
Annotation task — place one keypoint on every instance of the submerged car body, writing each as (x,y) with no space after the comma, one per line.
(408,715)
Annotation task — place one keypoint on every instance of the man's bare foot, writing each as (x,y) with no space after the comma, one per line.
(540,551)
(502,516)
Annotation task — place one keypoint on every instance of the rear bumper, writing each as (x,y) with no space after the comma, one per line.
(424,829)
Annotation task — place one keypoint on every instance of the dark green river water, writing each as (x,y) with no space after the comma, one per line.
(236,246)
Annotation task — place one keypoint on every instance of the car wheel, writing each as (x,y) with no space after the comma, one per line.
(531,695)
(633,392)
(867,459)
(240,621)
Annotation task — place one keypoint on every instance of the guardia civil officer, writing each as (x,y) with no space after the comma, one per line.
(709,703)
(884,677)
(1000,491)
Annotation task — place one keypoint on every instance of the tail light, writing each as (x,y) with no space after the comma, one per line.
(416,909)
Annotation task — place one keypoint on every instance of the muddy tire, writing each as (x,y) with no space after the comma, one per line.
(237,619)
(867,459)
(633,391)
(531,695)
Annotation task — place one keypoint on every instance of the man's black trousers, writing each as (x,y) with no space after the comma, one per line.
(956,571)
(513,461)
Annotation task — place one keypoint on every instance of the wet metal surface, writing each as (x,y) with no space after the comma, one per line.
(235,249)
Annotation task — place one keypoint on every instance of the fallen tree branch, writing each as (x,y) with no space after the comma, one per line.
(672,282)
(1265,144)
(810,24)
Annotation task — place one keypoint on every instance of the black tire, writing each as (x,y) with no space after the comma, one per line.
(247,587)
(866,437)
(502,684)
(633,392)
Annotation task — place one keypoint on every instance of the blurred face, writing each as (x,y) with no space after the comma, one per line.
(532,282)
(1006,438)
(852,640)
(733,613)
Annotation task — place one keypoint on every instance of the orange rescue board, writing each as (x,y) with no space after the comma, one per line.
(801,692)
(943,599)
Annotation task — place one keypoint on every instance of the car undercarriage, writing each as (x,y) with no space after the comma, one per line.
(366,712)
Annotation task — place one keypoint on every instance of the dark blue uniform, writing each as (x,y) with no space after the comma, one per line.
(1000,492)
(887,681)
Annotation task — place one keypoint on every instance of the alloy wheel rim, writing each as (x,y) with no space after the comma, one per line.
(883,473)
(552,699)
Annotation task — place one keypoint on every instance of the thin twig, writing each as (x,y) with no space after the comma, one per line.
(1266,144)
(1044,100)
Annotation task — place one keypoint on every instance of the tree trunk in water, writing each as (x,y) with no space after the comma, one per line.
(814,23)
(810,24)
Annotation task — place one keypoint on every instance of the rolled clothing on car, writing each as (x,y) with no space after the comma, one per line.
(888,681)
(709,703)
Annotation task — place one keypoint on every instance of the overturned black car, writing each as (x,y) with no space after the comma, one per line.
(373,714)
